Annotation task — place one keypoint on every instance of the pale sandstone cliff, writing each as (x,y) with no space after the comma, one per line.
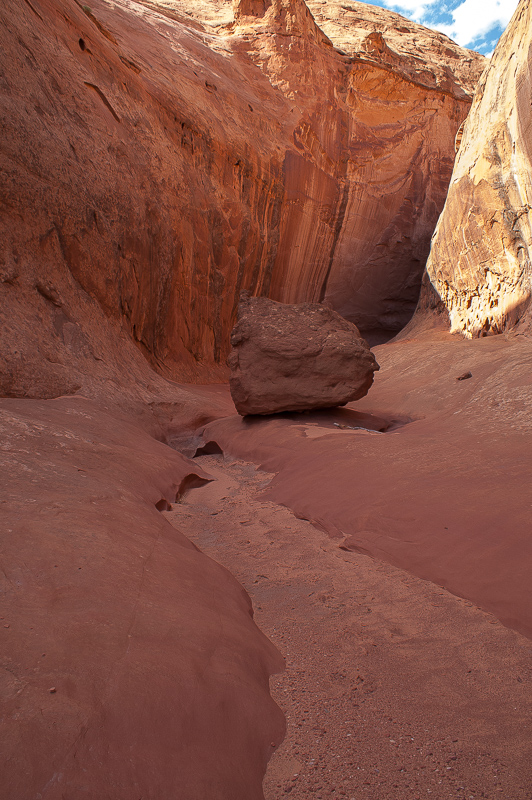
(480,262)
(154,166)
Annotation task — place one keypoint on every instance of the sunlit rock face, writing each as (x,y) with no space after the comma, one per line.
(480,263)
(159,158)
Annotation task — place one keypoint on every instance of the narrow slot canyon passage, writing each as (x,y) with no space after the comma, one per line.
(168,164)
(394,689)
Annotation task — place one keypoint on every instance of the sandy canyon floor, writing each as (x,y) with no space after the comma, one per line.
(393,688)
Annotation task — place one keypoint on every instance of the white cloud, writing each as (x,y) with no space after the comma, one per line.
(474,18)
(471,18)
(414,9)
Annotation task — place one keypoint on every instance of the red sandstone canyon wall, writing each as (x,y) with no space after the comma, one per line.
(480,262)
(154,165)
(378,146)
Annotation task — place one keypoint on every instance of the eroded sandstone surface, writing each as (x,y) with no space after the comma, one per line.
(480,262)
(155,165)
(441,490)
(394,689)
(373,150)
(130,662)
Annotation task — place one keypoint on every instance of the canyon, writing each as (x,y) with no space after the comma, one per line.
(199,604)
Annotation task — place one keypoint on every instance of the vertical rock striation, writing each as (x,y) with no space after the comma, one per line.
(372,150)
(160,157)
(139,189)
(480,262)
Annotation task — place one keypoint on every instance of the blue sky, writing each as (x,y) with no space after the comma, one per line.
(476,24)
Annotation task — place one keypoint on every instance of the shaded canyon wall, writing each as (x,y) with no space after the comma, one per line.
(154,166)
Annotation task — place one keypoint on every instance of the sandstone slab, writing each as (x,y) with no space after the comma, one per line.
(371,649)
(131,665)
(446,496)
(296,358)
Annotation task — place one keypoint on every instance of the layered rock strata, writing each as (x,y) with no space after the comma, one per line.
(154,166)
(481,258)
(296,358)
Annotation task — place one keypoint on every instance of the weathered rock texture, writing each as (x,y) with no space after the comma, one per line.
(130,663)
(153,166)
(296,357)
(480,262)
(371,152)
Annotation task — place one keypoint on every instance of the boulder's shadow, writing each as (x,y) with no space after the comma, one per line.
(346,418)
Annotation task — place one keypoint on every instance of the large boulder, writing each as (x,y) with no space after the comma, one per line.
(295,358)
